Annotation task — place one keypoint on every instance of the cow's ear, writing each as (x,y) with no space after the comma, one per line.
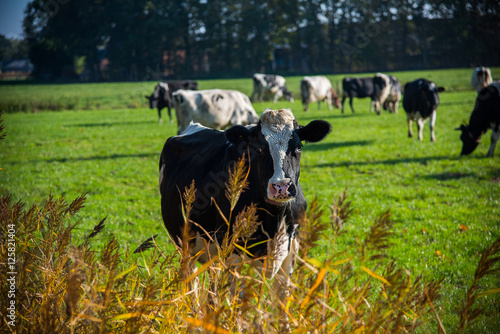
(314,131)
(237,134)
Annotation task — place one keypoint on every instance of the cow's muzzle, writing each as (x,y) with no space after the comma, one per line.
(281,191)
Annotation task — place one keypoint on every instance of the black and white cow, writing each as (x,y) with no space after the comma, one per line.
(270,84)
(318,89)
(481,78)
(420,101)
(381,91)
(392,101)
(215,108)
(357,87)
(485,116)
(272,149)
(162,95)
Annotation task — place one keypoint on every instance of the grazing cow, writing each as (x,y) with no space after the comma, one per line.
(215,108)
(486,115)
(357,87)
(481,78)
(420,101)
(270,84)
(392,101)
(162,95)
(318,88)
(272,150)
(381,90)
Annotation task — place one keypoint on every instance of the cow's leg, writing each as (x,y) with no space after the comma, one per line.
(282,281)
(495,134)
(253,95)
(350,103)
(170,115)
(329,101)
(159,116)
(431,126)
(343,100)
(410,131)
(319,105)
(420,129)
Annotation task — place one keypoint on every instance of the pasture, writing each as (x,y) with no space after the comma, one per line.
(103,141)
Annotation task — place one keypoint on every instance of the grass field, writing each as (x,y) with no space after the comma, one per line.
(102,140)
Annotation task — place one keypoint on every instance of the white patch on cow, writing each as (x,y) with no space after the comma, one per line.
(277,127)
(163,85)
(479,82)
(192,128)
(160,181)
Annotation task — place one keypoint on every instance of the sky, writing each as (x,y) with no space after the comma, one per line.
(11,18)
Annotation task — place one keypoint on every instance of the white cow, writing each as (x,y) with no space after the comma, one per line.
(481,78)
(318,89)
(264,84)
(392,101)
(214,108)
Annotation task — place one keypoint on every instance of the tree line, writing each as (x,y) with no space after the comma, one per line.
(150,40)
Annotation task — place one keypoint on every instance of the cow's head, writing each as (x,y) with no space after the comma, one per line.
(335,99)
(469,141)
(275,148)
(287,94)
(160,91)
(305,92)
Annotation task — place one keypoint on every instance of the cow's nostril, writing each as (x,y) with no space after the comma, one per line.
(292,191)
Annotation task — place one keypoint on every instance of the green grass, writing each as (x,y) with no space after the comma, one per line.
(446,208)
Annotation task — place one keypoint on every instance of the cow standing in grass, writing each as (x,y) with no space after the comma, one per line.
(357,87)
(272,149)
(420,101)
(318,89)
(485,116)
(162,95)
(392,101)
(270,84)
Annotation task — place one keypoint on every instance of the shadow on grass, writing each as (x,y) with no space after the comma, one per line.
(447,176)
(109,124)
(329,146)
(97,158)
(404,160)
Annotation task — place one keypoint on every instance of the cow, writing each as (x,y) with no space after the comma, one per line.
(392,101)
(381,91)
(272,149)
(162,95)
(270,84)
(420,101)
(318,88)
(481,78)
(357,87)
(485,116)
(214,108)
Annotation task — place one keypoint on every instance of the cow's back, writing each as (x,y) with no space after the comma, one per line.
(184,159)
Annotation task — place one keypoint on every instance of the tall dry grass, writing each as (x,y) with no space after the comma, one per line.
(64,285)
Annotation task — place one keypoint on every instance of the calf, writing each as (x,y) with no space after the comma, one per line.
(357,87)
(485,116)
(481,78)
(392,101)
(420,101)
(270,84)
(318,88)
(215,108)
(162,95)
(272,149)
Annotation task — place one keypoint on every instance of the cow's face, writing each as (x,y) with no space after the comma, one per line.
(469,141)
(288,95)
(159,92)
(275,147)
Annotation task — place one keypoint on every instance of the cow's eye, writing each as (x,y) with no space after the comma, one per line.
(298,149)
